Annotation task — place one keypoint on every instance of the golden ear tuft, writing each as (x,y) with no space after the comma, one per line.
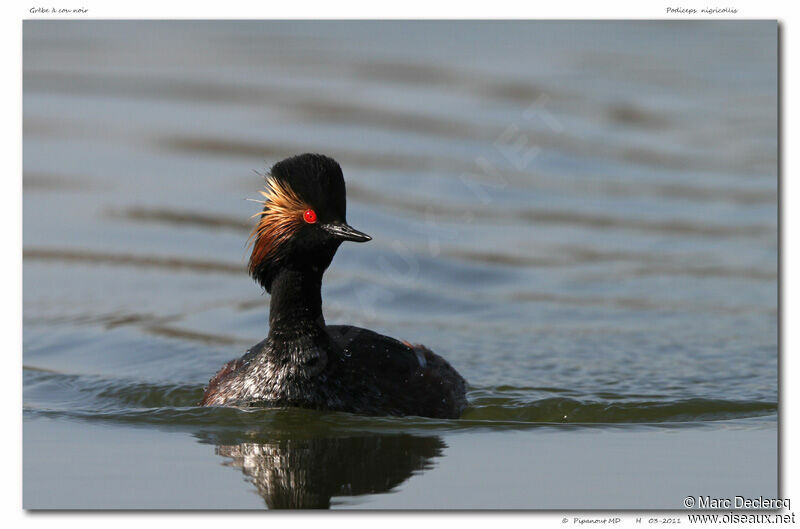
(280,219)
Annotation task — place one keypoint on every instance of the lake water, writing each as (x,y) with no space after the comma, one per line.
(580,216)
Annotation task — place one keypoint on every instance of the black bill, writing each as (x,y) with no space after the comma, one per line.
(346,232)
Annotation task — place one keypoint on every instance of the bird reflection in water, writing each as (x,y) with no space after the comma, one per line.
(307,473)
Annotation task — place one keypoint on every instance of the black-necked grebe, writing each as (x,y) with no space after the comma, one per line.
(303,362)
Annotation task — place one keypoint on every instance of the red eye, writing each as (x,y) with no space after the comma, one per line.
(310,216)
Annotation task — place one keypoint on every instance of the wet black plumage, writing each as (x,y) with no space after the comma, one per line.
(303,362)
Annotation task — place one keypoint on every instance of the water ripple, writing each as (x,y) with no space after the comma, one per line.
(501,407)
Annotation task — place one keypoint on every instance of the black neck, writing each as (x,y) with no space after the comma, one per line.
(296,302)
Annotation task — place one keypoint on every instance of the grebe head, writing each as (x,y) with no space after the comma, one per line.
(303,221)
